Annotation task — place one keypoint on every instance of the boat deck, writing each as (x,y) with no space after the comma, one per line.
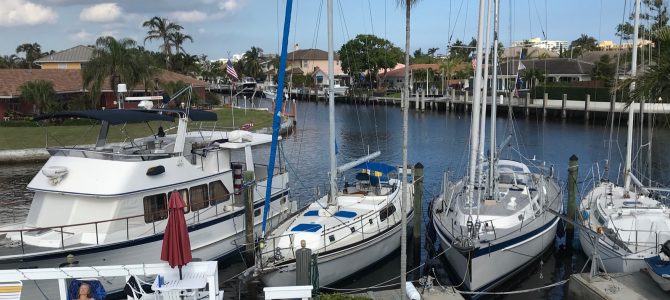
(618,286)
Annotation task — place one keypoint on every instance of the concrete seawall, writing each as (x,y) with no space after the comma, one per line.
(18,156)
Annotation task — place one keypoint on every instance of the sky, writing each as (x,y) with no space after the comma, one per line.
(224,27)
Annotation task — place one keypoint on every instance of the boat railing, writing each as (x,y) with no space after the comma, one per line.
(110,154)
(270,248)
(635,246)
(95,228)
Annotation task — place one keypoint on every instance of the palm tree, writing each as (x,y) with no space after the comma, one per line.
(32,51)
(251,62)
(41,94)
(162,29)
(403,235)
(177,39)
(10,61)
(117,60)
(654,83)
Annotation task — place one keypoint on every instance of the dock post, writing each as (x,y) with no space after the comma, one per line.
(573,173)
(303,258)
(544,105)
(418,212)
(249,187)
(526,104)
(452,100)
(465,101)
(563,103)
(423,101)
(416,101)
(586,106)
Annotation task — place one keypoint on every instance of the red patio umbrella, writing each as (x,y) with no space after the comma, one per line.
(176,244)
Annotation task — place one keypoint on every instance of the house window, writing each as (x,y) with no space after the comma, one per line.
(305,64)
(155,208)
(218,192)
(199,198)
(386,212)
(62,66)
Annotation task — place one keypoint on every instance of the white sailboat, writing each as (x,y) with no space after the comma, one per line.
(632,224)
(348,229)
(107,204)
(494,225)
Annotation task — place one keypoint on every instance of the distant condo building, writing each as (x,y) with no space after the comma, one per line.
(553,46)
(609,45)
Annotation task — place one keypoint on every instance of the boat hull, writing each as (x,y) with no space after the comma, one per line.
(657,269)
(487,270)
(614,260)
(341,264)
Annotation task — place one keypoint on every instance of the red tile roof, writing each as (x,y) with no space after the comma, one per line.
(401,71)
(69,81)
(65,81)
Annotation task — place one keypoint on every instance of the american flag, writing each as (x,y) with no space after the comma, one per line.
(231,70)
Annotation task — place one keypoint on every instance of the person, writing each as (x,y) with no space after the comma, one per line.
(84,292)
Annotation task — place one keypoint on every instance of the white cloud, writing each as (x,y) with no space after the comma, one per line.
(230,5)
(189,16)
(81,36)
(112,33)
(104,12)
(24,12)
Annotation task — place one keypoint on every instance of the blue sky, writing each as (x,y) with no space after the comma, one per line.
(220,27)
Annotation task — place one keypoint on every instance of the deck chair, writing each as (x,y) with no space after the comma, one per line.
(97,290)
(136,288)
(11,290)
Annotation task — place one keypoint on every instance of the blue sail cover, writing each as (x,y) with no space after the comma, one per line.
(374,171)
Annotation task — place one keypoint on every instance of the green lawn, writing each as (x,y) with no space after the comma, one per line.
(35,137)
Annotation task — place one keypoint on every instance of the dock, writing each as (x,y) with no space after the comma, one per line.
(435,293)
(615,286)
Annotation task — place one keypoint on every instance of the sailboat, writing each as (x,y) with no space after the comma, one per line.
(348,229)
(627,224)
(494,221)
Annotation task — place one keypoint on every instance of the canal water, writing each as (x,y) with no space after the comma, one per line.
(438,140)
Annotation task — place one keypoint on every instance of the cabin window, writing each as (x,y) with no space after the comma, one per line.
(331,238)
(155,208)
(199,198)
(184,196)
(257,212)
(218,192)
(386,212)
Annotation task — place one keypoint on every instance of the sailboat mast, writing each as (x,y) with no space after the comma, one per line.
(474,126)
(482,121)
(494,92)
(331,108)
(633,73)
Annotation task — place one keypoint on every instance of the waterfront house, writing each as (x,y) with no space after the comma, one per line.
(68,59)
(68,85)
(394,78)
(309,60)
(554,70)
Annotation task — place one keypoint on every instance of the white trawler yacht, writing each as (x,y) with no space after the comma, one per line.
(495,220)
(107,204)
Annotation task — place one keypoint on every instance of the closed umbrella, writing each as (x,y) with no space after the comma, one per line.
(176,244)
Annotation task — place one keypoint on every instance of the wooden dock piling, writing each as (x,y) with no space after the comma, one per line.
(563,104)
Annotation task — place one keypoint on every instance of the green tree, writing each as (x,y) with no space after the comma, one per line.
(654,83)
(177,39)
(251,62)
(604,70)
(532,76)
(583,44)
(186,64)
(33,52)
(12,61)
(162,29)
(368,53)
(119,62)
(41,94)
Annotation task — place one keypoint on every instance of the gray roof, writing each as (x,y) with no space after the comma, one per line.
(75,54)
(550,66)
